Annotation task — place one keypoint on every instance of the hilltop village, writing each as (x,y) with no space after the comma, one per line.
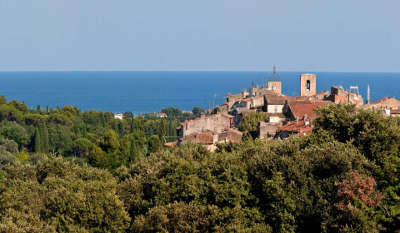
(285,115)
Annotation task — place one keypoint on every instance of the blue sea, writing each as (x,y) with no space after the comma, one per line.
(143,92)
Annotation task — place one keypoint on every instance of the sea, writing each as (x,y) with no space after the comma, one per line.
(147,91)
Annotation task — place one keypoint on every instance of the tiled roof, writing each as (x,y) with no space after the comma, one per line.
(297,127)
(386,99)
(171,144)
(302,109)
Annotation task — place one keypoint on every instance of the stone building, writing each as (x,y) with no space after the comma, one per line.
(231,99)
(274,103)
(210,139)
(257,102)
(308,84)
(267,129)
(340,96)
(275,85)
(214,122)
(385,103)
(389,106)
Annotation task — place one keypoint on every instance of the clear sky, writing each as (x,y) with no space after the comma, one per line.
(296,35)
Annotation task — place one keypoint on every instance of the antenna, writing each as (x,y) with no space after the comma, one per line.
(274,74)
(215,96)
(354,89)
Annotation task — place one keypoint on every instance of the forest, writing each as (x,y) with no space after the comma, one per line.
(67,170)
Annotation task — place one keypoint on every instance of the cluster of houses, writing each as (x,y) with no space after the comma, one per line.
(286,115)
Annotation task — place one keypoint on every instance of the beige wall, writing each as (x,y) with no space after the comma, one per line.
(312,78)
(267,129)
(275,86)
(275,119)
(274,108)
(216,123)
(257,102)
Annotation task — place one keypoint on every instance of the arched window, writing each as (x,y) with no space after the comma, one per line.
(308,85)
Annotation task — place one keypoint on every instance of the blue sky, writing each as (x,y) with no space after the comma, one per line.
(306,35)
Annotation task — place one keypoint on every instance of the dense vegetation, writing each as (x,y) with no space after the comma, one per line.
(93,136)
(114,177)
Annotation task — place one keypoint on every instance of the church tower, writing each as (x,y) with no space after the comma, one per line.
(275,83)
(308,84)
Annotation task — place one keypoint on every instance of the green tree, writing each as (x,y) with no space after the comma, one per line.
(60,138)
(44,134)
(36,141)
(3,100)
(378,138)
(154,144)
(58,196)
(197,111)
(82,147)
(109,142)
(15,132)
(250,121)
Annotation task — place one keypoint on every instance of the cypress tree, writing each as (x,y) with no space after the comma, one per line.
(44,136)
(132,125)
(84,131)
(36,141)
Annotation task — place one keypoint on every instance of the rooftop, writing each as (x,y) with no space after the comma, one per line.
(306,108)
(297,127)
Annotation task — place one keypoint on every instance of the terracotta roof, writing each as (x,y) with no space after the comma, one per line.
(386,99)
(171,144)
(297,127)
(302,109)
(322,93)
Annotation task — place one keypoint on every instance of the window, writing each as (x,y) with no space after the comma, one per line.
(308,85)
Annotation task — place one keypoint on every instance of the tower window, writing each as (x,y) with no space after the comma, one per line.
(308,85)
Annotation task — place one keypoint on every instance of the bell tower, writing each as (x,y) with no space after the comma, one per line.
(275,84)
(308,84)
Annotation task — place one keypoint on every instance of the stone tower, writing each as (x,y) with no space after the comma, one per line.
(308,84)
(275,85)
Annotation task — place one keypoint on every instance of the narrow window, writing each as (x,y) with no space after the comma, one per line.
(308,85)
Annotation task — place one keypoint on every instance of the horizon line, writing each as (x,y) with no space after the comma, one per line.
(192,70)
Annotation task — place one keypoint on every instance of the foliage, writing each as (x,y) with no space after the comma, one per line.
(378,138)
(111,175)
(59,196)
(250,121)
